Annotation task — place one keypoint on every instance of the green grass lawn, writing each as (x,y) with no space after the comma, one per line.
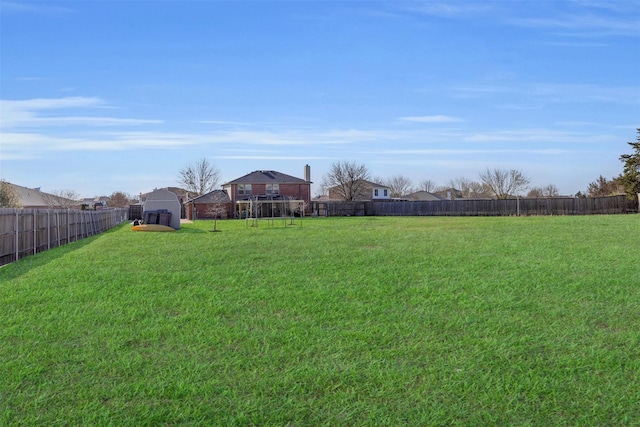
(334,321)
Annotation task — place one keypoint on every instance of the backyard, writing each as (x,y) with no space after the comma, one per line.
(332,321)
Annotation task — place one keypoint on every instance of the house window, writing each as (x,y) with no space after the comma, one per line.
(375,192)
(386,193)
(244,188)
(273,189)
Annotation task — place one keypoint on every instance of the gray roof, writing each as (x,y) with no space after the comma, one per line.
(375,184)
(423,196)
(367,184)
(215,196)
(267,177)
(34,198)
(29,196)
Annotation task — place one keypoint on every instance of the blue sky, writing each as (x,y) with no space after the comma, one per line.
(104,96)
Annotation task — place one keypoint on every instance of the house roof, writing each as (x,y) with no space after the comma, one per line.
(375,184)
(267,177)
(368,184)
(34,198)
(215,196)
(423,196)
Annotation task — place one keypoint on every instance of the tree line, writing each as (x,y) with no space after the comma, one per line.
(349,181)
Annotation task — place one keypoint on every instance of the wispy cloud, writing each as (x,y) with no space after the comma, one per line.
(534,95)
(430,119)
(585,18)
(584,24)
(21,140)
(521,136)
(448,8)
(51,103)
(262,157)
(39,7)
(464,151)
(29,113)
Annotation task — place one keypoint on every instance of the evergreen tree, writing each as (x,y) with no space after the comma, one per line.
(630,177)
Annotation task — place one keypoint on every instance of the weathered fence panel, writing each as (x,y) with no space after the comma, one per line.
(503,207)
(135,212)
(25,232)
(338,208)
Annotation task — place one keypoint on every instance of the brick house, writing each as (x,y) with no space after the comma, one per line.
(269,185)
(216,202)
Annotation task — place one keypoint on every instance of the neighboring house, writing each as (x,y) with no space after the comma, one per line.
(216,203)
(369,191)
(269,185)
(423,196)
(31,198)
(95,202)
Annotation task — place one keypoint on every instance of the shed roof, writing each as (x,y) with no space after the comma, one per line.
(267,177)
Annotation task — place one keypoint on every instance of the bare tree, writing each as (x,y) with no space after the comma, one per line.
(61,199)
(604,187)
(542,192)
(347,180)
(217,210)
(400,185)
(428,186)
(504,183)
(200,177)
(8,195)
(469,188)
(478,189)
(462,185)
(119,199)
(378,180)
(295,207)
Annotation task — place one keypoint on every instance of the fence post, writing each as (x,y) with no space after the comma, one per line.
(35,230)
(58,227)
(16,239)
(48,230)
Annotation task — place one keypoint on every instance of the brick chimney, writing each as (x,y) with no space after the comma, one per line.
(307,173)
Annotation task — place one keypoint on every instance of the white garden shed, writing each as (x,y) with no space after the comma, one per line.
(164,200)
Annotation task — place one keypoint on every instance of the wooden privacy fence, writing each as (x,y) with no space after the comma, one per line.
(337,208)
(479,207)
(504,207)
(25,232)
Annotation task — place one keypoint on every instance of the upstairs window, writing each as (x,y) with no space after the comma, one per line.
(386,193)
(244,188)
(273,189)
(375,192)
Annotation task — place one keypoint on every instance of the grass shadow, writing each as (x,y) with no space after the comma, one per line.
(24,265)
